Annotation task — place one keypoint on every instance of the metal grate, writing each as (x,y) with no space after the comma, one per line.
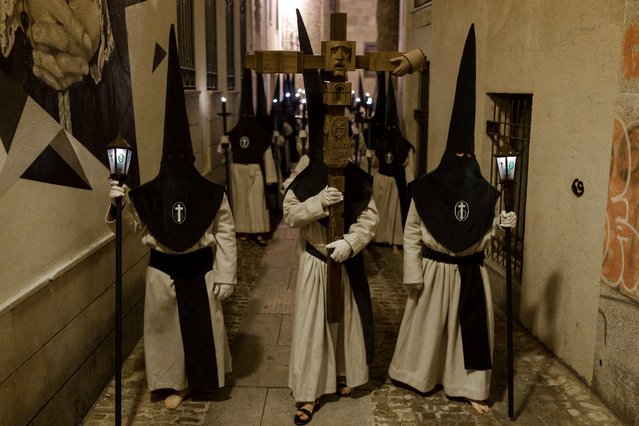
(185,42)
(211,45)
(230,45)
(511,119)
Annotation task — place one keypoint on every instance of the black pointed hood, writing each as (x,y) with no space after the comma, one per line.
(246,98)
(455,202)
(461,131)
(261,114)
(248,139)
(179,204)
(277,115)
(379,117)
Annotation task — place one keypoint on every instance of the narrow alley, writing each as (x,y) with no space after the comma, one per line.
(259,323)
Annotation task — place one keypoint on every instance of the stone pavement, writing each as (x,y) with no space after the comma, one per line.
(259,323)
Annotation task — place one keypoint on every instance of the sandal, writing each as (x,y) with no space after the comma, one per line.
(341,390)
(309,414)
(260,241)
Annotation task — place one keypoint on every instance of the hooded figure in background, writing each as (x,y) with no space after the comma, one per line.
(396,164)
(273,197)
(446,335)
(252,168)
(379,116)
(328,358)
(187,223)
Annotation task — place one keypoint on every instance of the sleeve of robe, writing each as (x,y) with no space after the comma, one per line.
(413,247)
(129,216)
(299,214)
(363,230)
(269,167)
(225,264)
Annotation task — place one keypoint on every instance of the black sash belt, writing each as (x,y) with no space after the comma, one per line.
(188,271)
(472,307)
(310,249)
(359,286)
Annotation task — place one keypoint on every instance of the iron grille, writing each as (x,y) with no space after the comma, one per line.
(511,120)
(230,45)
(185,42)
(211,45)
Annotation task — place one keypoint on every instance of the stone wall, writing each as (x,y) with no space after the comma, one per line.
(616,369)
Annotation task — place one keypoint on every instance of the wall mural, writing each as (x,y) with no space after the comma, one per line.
(64,72)
(621,243)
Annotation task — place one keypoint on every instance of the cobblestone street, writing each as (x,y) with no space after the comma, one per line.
(259,323)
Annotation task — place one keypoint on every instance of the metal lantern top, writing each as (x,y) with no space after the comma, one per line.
(506,158)
(119,153)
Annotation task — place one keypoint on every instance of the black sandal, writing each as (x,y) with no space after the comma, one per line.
(339,392)
(309,414)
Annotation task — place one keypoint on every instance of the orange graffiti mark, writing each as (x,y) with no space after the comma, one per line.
(620,267)
(631,52)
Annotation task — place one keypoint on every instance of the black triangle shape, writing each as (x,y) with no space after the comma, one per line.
(13,101)
(49,167)
(158,56)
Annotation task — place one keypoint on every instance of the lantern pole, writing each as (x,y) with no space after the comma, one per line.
(119,153)
(506,158)
(225,148)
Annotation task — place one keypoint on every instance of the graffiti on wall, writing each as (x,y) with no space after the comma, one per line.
(64,75)
(621,242)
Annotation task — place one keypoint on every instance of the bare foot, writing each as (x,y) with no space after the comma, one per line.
(396,249)
(173,401)
(479,406)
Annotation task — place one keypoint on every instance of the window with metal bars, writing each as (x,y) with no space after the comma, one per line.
(211,45)
(230,45)
(186,49)
(510,121)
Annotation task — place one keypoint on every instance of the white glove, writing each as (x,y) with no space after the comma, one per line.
(330,196)
(507,220)
(224,142)
(117,191)
(222,291)
(342,250)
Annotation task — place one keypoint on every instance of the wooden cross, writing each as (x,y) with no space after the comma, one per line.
(336,58)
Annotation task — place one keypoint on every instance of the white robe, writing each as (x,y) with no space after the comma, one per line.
(247,194)
(319,352)
(387,199)
(429,346)
(163,350)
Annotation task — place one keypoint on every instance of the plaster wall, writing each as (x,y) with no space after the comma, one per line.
(561,54)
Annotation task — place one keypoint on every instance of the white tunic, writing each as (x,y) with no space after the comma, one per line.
(163,350)
(429,346)
(387,199)
(319,352)
(247,193)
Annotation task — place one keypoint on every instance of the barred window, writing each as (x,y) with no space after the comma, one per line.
(211,45)
(185,42)
(511,120)
(230,45)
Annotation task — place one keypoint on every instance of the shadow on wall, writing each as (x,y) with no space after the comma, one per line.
(547,309)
